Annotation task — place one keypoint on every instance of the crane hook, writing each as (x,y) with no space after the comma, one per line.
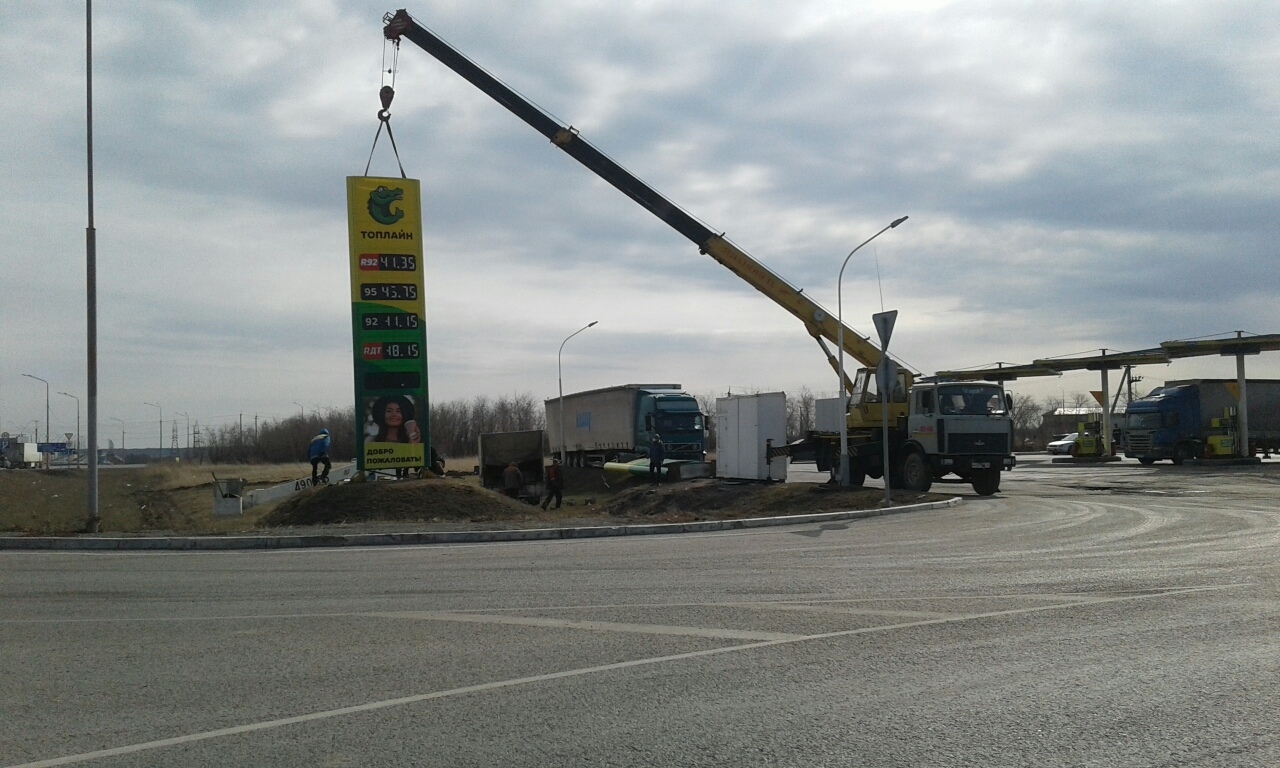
(386,95)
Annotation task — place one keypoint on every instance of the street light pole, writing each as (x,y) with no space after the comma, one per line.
(157,407)
(48,430)
(560,379)
(844,397)
(90,280)
(302,411)
(73,397)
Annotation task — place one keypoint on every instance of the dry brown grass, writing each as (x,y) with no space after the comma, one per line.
(179,499)
(156,497)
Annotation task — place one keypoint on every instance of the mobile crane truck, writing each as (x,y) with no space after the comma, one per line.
(935,428)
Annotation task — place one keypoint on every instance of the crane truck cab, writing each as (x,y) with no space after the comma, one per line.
(960,428)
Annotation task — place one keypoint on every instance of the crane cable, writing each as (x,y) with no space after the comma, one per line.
(386,94)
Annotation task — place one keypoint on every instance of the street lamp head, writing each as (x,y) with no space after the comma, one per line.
(592,323)
(896,222)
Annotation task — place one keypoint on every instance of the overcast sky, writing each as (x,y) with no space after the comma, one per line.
(1078,175)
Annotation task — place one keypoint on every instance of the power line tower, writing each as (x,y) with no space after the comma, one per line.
(174,444)
(195,441)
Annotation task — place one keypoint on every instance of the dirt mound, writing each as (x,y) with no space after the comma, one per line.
(608,499)
(425,500)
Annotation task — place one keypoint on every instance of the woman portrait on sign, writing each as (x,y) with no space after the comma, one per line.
(393,415)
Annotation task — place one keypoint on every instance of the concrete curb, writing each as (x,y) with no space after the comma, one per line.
(179,543)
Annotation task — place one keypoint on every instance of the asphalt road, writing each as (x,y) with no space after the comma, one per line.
(1085,616)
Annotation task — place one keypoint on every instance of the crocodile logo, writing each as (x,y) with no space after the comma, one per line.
(380,201)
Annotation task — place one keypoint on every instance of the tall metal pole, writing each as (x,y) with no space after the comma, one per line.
(560,379)
(844,396)
(1242,413)
(180,413)
(886,395)
(73,397)
(301,410)
(91,282)
(48,429)
(157,406)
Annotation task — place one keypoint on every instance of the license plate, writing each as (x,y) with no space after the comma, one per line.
(981,465)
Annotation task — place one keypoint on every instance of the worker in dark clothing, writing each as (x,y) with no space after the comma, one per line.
(657,452)
(318,453)
(555,483)
(512,480)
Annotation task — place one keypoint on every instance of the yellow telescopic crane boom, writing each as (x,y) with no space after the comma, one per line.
(820,323)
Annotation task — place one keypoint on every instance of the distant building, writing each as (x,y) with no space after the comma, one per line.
(1063,421)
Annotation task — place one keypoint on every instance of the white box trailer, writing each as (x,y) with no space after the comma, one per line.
(22,455)
(829,413)
(744,426)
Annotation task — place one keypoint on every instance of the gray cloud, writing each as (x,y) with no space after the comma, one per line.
(1077,176)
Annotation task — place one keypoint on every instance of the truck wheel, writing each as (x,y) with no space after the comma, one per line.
(1181,453)
(986,482)
(857,474)
(916,475)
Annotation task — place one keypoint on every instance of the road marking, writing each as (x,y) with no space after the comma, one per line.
(763,604)
(500,684)
(844,611)
(600,626)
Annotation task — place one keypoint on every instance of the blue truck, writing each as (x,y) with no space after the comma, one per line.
(1197,418)
(618,424)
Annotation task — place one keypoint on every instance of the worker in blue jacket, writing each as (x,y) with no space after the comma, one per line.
(318,452)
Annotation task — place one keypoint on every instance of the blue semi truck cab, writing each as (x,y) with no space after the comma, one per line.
(1164,425)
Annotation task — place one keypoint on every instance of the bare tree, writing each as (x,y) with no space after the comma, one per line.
(1083,400)
(800,408)
(707,404)
(1026,420)
(456,425)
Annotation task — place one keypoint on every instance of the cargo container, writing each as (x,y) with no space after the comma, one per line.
(746,427)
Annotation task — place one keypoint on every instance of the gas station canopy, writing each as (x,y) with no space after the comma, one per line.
(999,373)
(1104,361)
(1240,345)
(1167,351)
